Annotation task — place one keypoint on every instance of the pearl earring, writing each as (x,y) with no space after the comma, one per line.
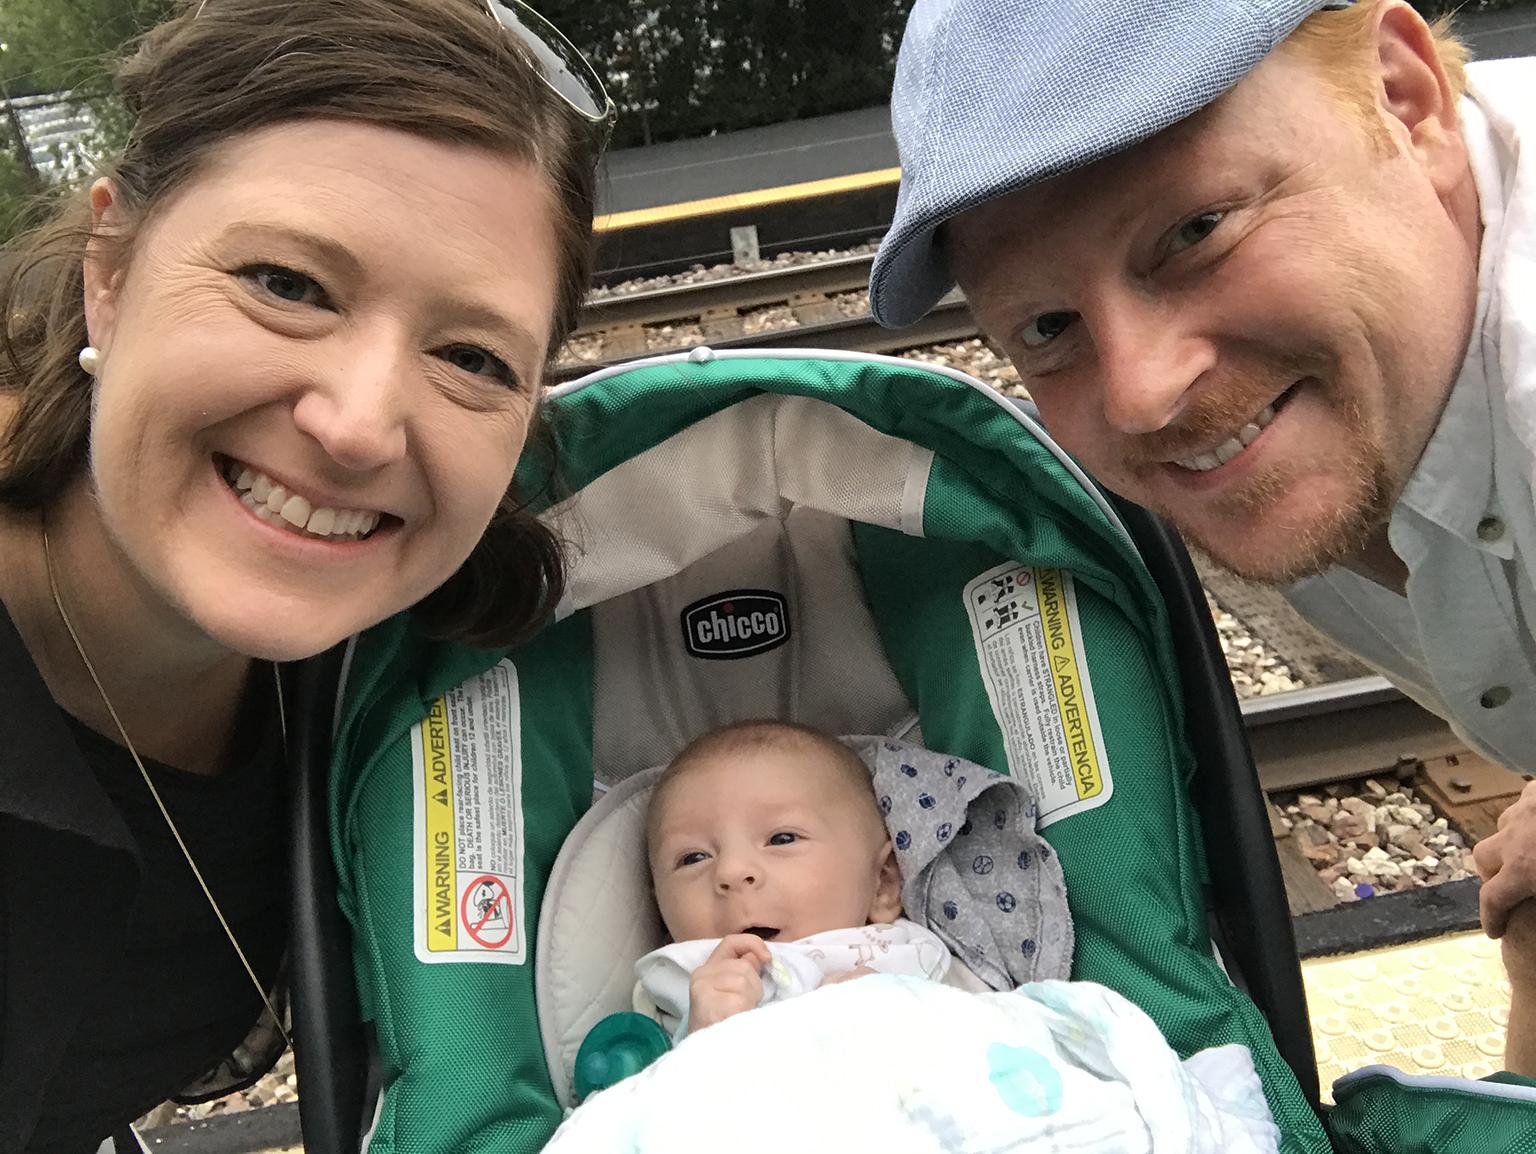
(90,359)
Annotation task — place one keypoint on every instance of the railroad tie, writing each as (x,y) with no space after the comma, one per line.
(814,309)
(623,342)
(723,324)
(1471,792)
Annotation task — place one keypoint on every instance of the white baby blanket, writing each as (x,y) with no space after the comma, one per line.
(889,1062)
(901,947)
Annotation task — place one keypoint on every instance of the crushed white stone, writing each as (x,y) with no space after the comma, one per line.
(278,1086)
(1256,672)
(700,274)
(1374,837)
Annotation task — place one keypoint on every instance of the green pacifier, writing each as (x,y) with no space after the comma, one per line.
(618,1046)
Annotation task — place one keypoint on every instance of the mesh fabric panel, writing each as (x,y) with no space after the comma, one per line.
(1377,1115)
(459,1043)
(1132,865)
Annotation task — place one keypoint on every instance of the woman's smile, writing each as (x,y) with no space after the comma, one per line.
(289,508)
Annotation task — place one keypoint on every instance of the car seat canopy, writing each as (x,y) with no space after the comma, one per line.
(718,480)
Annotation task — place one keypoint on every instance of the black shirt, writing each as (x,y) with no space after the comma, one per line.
(139,991)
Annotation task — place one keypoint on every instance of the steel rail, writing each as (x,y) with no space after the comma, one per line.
(748,290)
(1349,729)
(949,320)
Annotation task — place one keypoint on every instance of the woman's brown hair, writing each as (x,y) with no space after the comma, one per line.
(441,69)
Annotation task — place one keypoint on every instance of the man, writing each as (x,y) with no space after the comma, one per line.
(1267,267)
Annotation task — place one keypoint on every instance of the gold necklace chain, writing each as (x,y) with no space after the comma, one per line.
(58,603)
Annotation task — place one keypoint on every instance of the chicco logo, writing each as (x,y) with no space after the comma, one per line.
(738,623)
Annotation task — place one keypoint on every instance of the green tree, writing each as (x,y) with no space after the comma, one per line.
(17,188)
(676,68)
(1450,7)
(60,46)
(684,68)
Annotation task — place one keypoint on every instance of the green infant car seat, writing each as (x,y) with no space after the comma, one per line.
(863,544)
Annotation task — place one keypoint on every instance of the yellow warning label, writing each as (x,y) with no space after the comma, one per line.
(1032,658)
(1065,675)
(442,883)
(467,826)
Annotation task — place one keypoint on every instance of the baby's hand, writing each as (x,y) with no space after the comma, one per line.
(728,982)
(847,975)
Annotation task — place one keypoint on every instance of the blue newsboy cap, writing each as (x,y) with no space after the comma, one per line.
(995,95)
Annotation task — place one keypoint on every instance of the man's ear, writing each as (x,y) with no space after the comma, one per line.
(886,906)
(1415,92)
(103,271)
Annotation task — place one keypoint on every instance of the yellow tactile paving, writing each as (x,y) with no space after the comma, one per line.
(1435,1007)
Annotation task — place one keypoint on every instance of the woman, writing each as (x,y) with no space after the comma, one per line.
(263,385)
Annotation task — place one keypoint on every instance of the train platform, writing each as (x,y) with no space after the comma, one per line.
(1434,1007)
(846,163)
(643,185)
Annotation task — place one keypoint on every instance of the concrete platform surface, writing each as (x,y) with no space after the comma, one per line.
(1437,1007)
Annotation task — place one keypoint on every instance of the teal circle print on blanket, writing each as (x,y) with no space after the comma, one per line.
(1025,1080)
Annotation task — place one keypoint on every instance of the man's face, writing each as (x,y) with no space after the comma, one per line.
(1249,323)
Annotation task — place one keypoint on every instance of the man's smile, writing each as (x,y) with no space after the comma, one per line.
(1219,455)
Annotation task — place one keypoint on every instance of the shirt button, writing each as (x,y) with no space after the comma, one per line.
(1495,697)
(1490,529)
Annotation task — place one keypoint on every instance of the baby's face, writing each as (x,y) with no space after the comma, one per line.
(770,841)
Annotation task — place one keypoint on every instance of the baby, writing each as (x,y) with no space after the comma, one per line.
(767,831)
(774,874)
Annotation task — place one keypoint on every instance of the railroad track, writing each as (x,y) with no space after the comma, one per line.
(1318,740)
(622,327)
(1307,739)
(1350,729)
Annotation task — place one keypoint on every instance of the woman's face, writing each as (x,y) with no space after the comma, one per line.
(317,372)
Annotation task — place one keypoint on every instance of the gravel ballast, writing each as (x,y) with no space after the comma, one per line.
(1382,839)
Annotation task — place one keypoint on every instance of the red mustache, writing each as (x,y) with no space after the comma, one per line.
(1206,421)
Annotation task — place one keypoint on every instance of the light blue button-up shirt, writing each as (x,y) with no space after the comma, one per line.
(1460,642)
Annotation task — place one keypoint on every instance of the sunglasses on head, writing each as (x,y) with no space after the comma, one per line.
(560,64)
